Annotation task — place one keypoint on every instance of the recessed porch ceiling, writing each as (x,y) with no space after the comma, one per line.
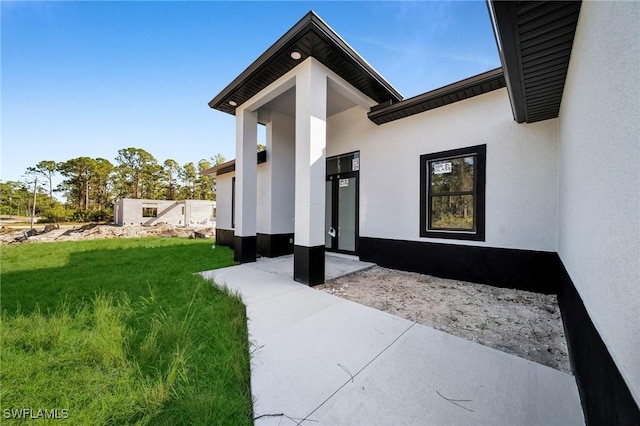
(285,104)
(309,37)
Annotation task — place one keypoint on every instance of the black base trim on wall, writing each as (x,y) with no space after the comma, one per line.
(606,399)
(520,269)
(244,249)
(274,245)
(308,264)
(224,237)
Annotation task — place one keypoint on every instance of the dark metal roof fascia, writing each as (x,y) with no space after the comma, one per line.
(337,41)
(535,41)
(262,60)
(230,166)
(400,110)
(219,169)
(505,28)
(310,21)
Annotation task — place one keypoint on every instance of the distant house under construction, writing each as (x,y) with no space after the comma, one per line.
(129,211)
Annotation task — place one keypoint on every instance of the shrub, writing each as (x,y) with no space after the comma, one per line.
(54,214)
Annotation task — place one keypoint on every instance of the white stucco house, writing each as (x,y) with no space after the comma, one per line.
(525,176)
(135,211)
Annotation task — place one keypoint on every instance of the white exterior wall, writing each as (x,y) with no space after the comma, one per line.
(263,213)
(276,178)
(599,130)
(521,187)
(281,178)
(184,212)
(224,184)
(223,200)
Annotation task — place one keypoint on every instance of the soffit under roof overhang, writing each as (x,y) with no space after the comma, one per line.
(534,40)
(455,92)
(311,37)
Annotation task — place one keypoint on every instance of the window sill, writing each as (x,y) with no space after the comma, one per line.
(453,235)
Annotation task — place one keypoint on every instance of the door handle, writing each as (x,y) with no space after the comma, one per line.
(332,231)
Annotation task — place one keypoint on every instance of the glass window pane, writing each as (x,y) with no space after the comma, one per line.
(452,212)
(328,239)
(452,175)
(347,214)
(332,166)
(344,164)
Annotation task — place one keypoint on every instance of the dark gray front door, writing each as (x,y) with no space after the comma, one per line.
(341,215)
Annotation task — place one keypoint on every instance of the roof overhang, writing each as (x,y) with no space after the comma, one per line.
(230,166)
(534,40)
(464,89)
(310,37)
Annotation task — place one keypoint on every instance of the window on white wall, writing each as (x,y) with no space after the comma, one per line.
(150,211)
(452,194)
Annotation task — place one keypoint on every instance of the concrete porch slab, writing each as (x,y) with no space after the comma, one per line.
(336,265)
(319,359)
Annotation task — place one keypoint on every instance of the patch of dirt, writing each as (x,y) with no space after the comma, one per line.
(518,322)
(92,231)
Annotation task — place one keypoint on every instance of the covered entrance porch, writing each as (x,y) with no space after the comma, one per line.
(295,193)
(309,75)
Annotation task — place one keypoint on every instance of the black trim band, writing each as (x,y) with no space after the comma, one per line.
(224,237)
(244,249)
(308,264)
(521,269)
(605,397)
(274,245)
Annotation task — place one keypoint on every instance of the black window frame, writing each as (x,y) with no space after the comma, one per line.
(480,174)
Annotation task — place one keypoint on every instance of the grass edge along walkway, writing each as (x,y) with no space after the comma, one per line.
(153,344)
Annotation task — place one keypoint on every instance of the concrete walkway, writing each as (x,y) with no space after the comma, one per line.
(321,360)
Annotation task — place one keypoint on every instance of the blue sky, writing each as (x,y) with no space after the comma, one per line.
(89,78)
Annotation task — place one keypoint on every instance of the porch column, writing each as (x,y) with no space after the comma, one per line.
(276,188)
(311,141)
(246,182)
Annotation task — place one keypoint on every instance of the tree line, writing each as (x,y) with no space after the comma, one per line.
(91,185)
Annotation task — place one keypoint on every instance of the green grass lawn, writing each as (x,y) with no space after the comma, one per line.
(120,331)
